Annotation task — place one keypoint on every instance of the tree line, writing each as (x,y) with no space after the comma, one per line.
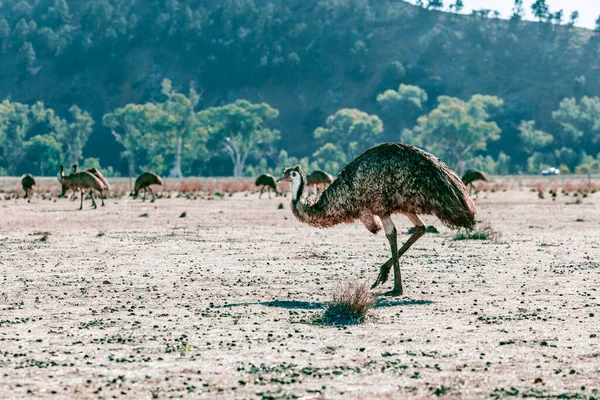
(175,138)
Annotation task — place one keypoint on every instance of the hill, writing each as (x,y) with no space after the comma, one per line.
(306,58)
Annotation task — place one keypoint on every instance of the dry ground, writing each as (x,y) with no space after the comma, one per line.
(110,303)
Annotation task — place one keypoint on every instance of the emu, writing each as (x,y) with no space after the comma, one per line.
(267,180)
(143,182)
(319,177)
(98,175)
(471,176)
(81,180)
(392,178)
(28,183)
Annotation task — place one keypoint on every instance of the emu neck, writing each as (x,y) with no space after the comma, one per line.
(321,213)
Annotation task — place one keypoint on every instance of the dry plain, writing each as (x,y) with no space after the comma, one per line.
(132,301)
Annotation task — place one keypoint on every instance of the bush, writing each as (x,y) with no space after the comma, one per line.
(350,305)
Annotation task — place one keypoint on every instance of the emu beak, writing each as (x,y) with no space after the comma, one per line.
(280,179)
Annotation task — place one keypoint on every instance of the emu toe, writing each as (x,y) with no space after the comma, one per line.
(382,278)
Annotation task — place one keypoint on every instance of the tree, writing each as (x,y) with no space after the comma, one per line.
(181,124)
(239,129)
(14,125)
(580,123)
(518,11)
(540,10)
(350,131)
(43,154)
(4,33)
(26,55)
(531,138)
(329,158)
(59,13)
(401,107)
(574,18)
(456,129)
(73,135)
(597,29)
(133,126)
(458,6)
(435,4)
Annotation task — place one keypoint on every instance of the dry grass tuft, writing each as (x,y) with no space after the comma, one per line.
(350,305)
(483,231)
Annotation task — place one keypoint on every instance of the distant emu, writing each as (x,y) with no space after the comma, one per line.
(28,183)
(267,180)
(143,182)
(98,175)
(81,180)
(319,177)
(391,178)
(471,176)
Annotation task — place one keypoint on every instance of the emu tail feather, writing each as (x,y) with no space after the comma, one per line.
(457,209)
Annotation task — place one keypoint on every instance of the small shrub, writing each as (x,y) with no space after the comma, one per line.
(481,232)
(350,304)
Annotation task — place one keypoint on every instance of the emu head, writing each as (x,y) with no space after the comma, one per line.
(292,173)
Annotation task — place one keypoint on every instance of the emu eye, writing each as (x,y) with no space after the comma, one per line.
(294,174)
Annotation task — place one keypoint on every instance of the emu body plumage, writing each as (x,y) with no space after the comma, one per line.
(81,180)
(319,177)
(268,181)
(28,183)
(143,182)
(471,176)
(391,178)
(98,175)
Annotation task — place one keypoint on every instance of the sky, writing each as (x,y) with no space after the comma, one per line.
(589,10)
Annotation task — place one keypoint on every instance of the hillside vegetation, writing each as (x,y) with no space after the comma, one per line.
(517,95)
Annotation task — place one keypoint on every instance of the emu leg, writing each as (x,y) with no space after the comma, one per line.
(93,201)
(102,198)
(420,230)
(269,192)
(144,196)
(392,235)
(81,204)
(152,194)
(261,192)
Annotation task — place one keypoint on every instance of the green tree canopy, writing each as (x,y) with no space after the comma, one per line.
(133,127)
(74,134)
(401,107)
(43,155)
(533,139)
(350,131)
(580,122)
(238,129)
(456,129)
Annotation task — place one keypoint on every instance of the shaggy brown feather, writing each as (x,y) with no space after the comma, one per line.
(388,179)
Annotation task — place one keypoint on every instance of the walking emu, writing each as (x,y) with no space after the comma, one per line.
(319,177)
(267,180)
(391,178)
(28,183)
(81,180)
(143,182)
(98,175)
(471,176)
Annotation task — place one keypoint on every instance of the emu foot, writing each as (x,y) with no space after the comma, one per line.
(395,292)
(384,272)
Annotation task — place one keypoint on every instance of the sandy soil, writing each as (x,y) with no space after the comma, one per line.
(110,303)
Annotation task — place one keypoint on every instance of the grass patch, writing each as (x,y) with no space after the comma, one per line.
(481,232)
(350,305)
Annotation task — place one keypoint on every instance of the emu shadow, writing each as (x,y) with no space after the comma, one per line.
(314,305)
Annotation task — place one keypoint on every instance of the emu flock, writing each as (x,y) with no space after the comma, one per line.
(391,178)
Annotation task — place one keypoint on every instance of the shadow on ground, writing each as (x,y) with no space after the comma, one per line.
(312,305)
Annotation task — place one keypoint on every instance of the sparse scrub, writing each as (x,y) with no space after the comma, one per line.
(483,231)
(350,305)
